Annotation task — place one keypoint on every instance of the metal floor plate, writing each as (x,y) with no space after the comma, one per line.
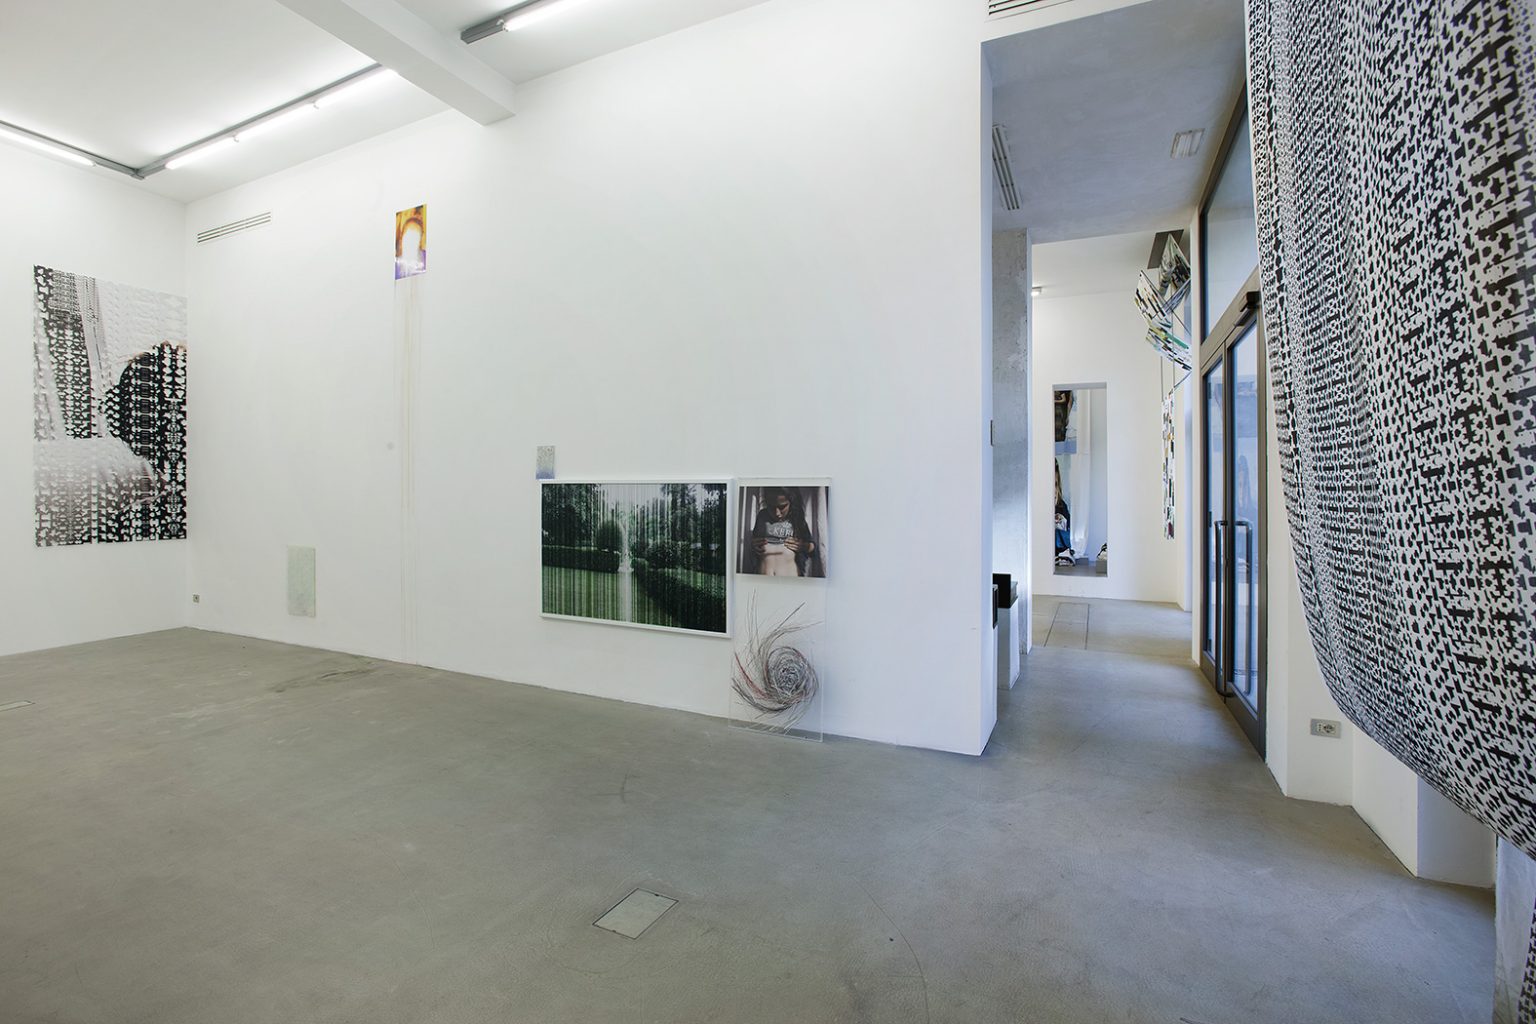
(635,913)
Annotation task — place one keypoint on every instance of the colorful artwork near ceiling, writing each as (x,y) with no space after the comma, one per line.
(411,242)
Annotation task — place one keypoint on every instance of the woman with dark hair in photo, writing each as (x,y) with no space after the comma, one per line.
(782,542)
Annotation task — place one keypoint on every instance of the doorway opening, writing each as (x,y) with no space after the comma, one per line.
(1095,256)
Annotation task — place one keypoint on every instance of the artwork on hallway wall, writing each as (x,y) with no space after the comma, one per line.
(1402,375)
(1168,466)
(774,681)
(109,411)
(783,527)
(1164,331)
(411,242)
(1173,274)
(638,554)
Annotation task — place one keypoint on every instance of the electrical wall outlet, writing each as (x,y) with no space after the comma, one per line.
(1326,727)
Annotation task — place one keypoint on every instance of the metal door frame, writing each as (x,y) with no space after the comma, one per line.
(1244,313)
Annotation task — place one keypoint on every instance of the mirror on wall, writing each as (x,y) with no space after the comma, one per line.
(1082,480)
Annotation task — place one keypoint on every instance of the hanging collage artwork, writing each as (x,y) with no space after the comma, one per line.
(1161,300)
(109,411)
(1168,466)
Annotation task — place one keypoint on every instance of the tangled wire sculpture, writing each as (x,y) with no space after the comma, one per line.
(772,677)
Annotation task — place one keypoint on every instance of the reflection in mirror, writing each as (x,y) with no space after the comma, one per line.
(1082,480)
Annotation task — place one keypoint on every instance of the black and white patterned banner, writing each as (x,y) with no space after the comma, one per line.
(1396,195)
(109,411)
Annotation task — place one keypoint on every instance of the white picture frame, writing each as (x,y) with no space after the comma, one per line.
(577,585)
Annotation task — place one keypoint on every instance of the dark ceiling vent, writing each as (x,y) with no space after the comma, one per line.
(1003,167)
(996,8)
(234,226)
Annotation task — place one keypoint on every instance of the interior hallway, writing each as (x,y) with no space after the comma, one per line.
(1157,631)
(200,827)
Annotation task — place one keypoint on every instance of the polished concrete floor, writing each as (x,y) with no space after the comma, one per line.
(1150,631)
(204,829)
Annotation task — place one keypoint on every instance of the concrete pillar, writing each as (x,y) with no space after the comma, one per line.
(1011,330)
(1515,896)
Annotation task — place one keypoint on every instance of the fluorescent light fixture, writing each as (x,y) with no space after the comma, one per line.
(356,86)
(1187,143)
(194,155)
(532,14)
(286,117)
(45,147)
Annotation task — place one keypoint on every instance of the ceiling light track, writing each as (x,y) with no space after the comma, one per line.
(250,127)
(253,125)
(516,17)
(63,150)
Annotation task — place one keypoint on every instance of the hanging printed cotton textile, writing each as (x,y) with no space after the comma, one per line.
(1394,180)
(1168,466)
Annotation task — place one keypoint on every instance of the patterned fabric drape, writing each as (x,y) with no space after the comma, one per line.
(1396,195)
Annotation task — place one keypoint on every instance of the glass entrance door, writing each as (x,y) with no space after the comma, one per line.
(1214,572)
(1233,545)
(1244,539)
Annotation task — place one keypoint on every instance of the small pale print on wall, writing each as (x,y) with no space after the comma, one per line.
(109,411)
(411,242)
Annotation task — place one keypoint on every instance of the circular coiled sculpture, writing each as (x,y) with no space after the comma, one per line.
(771,675)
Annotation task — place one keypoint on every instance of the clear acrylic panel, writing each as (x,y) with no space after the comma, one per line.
(778,676)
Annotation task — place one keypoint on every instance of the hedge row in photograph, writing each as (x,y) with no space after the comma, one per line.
(591,559)
(696,600)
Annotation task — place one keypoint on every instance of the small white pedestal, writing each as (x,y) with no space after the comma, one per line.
(1008,636)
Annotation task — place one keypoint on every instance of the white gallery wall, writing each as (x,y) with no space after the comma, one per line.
(754,247)
(85,222)
(1087,330)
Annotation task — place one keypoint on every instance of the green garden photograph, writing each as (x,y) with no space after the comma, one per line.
(640,554)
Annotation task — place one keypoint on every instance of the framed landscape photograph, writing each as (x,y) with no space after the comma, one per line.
(655,555)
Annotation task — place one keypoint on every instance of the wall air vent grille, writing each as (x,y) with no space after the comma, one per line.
(998,8)
(1006,189)
(234,226)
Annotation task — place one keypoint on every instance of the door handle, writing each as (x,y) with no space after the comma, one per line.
(1219,631)
(1250,619)
(1247,541)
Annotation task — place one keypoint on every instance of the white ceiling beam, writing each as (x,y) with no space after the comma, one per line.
(436,63)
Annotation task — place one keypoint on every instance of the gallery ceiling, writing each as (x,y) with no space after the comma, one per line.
(1091,108)
(133,82)
(589,29)
(1087,266)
